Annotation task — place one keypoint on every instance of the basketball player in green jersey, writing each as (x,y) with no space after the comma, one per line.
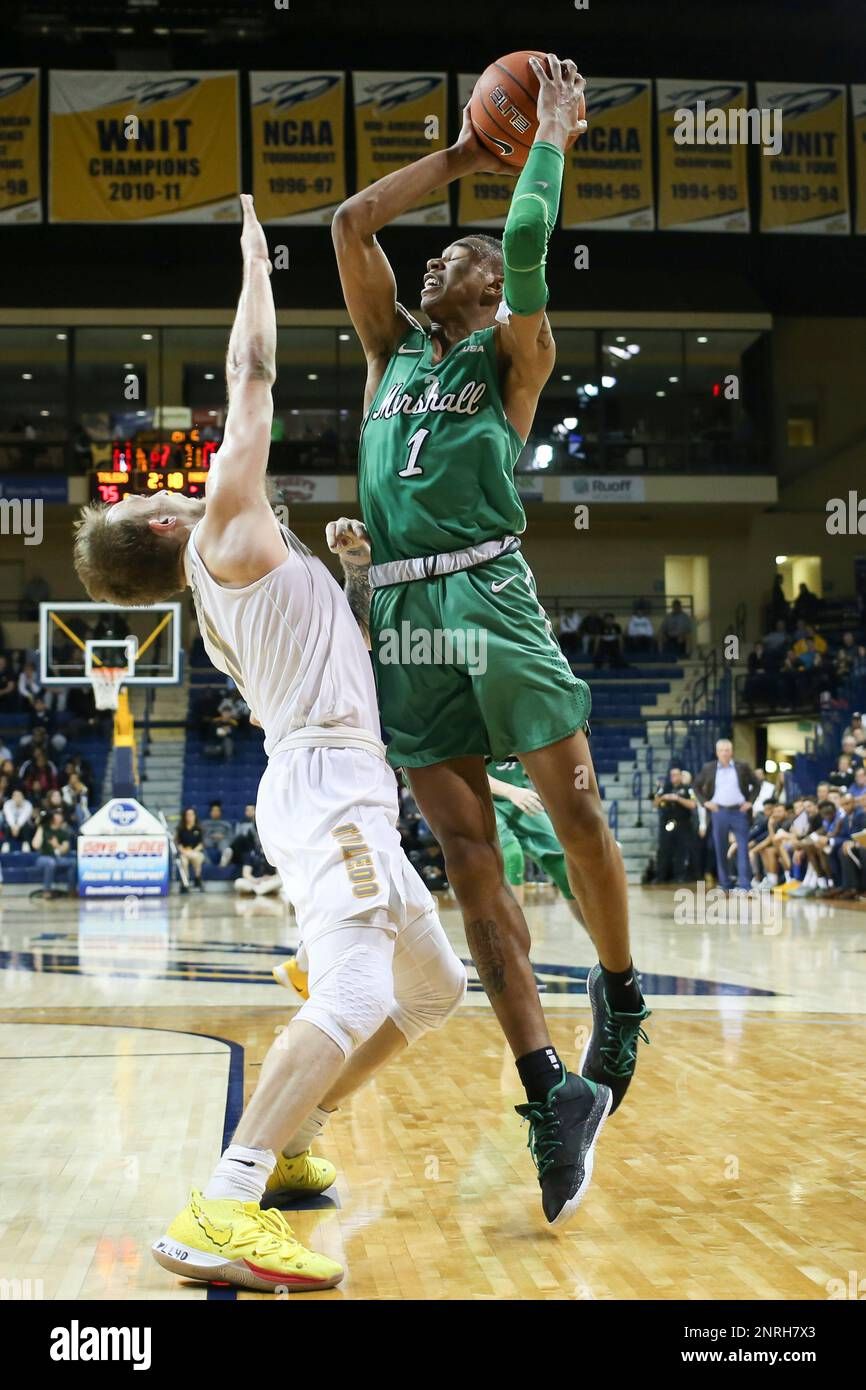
(524,828)
(447,412)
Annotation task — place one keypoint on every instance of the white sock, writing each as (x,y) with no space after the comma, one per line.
(241,1174)
(822,882)
(307,1132)
(773,879)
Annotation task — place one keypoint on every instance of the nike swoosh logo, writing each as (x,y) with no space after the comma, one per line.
(500,584)
(247,1162)
(539,183)
(415,350)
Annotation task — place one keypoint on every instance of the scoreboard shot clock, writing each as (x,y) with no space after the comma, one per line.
(154,462)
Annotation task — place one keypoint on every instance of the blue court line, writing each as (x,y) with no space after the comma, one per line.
(571,979)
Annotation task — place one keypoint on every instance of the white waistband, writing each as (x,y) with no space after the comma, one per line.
(433,566)
(330,736)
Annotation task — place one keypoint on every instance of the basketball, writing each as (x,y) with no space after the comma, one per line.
(503,106)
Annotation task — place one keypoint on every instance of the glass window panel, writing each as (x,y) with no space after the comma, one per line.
(565,432)
(33,424)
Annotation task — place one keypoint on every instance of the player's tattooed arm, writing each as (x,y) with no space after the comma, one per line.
(348,539)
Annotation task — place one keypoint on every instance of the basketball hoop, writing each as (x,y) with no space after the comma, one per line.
(106,682)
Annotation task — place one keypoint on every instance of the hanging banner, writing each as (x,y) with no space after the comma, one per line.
(483,199)
(298,150)
(858,114)
(804,187)
(608,179)
(144,147)
(703,130)
(20,181)
(399,117)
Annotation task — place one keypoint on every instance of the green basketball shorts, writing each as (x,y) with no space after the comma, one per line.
(467,663)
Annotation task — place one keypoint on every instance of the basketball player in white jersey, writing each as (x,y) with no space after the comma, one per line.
(381,971)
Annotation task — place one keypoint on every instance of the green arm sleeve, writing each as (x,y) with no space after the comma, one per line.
(531,219)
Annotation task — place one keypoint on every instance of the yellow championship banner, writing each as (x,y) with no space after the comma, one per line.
(483,199)
(703,130)
(804,178)
(608,180)
(20,182)
(400,117)
(858,116)
(298,145)
(144,147)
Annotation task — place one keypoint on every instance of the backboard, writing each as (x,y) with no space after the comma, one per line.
(75,636)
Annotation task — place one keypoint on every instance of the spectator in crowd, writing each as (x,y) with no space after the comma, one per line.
(217,833)
(850,659)
(807,606)
(245,841)
(853,852)
(41,718)
(75,799)
(19,822)
(761,685)
(588,632)
(776,641)
(843,774)
(190,847)
(569,627)
(225,721)
(727,789)
(53,844)
(29,685)
(608,643)
(38,774)
(821,850)
(779,610)
(858,786)
(676,631)
(807,639)
(8,687)
(675,801)
(5,752)
(763,846)
(855,730)
(849,746)
(639,633)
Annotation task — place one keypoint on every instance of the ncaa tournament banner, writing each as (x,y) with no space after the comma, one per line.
(483,200)
(144,147)
(858,113)
(20,182)
(609,171)
(804,187)
(298,145)
(703,182)
(399,117)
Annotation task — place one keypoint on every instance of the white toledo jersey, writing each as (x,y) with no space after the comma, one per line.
(290,643)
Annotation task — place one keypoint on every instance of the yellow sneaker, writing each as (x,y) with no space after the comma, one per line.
(225,1241)
(289,974)
(301,1173)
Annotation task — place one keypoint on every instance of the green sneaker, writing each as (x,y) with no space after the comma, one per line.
(610,1056)
(563,1132)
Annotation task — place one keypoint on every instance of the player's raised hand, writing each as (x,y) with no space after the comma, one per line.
(560,95)
(254,245)
(348,539)
(479,157)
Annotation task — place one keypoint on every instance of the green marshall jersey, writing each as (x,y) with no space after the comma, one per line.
(437,453)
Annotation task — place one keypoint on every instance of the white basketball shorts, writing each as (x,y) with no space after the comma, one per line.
(327,818)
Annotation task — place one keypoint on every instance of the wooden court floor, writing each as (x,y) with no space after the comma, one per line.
(734,1170)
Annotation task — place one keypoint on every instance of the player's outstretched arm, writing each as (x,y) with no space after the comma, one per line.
(525,341)
(369,287)
(348,539)
(240,540)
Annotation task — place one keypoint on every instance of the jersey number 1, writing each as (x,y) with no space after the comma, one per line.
(416,444)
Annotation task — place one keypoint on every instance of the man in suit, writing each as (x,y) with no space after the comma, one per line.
(727,789)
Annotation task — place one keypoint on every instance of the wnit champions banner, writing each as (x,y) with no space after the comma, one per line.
(703,186)
(20,183)
(144,147)
(299,155)
(804,188)
(483,199)
(400,117)
(608,178)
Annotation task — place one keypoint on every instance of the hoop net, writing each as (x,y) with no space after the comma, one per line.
(106,682)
